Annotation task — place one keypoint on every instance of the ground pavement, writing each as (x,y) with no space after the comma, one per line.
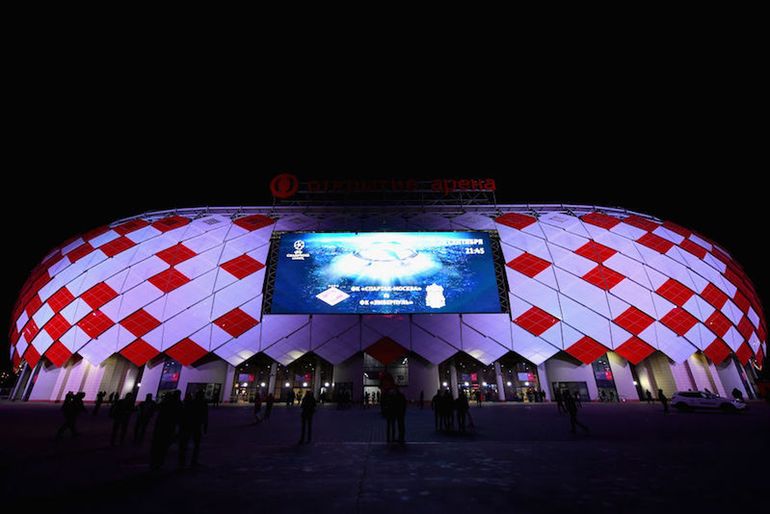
(520,458)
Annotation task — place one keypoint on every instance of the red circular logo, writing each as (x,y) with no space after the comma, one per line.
(284,185)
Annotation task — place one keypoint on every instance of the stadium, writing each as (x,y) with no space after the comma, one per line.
(504,300)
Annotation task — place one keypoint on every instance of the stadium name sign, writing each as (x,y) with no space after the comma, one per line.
(439,185)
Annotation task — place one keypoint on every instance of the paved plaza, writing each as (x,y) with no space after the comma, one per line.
(520,458)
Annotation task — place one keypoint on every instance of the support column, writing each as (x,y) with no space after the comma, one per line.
(453,378)
(271,379)
(28,385)
(22,375)
(227,394)
(317,378)
(500,383)
(542,375)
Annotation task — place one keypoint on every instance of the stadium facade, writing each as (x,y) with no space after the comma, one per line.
(602,301)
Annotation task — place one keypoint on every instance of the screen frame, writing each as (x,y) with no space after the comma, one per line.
(268,287)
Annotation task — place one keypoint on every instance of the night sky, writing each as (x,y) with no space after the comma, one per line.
(687,166)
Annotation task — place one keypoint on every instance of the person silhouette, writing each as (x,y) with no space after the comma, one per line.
(99,400)
(169,414)
(435,406)
(399,406)
(559,400)
(257,408)
(462,410)
(648,395)
(194,422)
(146,412)
(663,400)
(121,415)
(71,408)
(307,411)
(268,406)
(571,407)
(389,409)
(737,394)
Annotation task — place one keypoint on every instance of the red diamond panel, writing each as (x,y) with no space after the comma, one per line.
(655,242)
(130,226)
(694,248)
(33,305)
(15,359)
(642,223)
(713,295)
(677,229)
(741,302)
(516,220)
(80,252)
(60,299)
(31,356)
(600,220)
(186,352)
(760,355)
(745,328)
(744,353)
(30,330)
(718,323)
(536,321)
(586,350)
(604,278)
(170,223)
(140,322)
(57,326)
(528,264)
(675,292)
(236,322)
(58,354)
(679,320)
(634,320)
(242,266)
(168,280)
(98,295)
(634,350)
(386,350)
(95,324)
(254,222)
(139,352)
(176,254)
(717,351)
(116,246)
(595,251)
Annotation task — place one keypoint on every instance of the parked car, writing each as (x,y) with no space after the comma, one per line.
(689,400)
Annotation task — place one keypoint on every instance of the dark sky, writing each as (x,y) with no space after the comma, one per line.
(694,164)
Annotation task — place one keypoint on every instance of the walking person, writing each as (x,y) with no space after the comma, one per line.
(462,410)
(559,400)
(400,411)
(99,400)
(121,415)
(577,400)
(257,408)
(648,395)
(70,409)
(307,411)
(194,421)
(388,408)
(169,417)
(571,407)
(146,410)
(435,404)
(268,406)
(663,400)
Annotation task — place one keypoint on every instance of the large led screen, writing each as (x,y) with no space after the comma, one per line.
(384,273)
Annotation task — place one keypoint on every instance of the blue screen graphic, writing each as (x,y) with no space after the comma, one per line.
(385,273)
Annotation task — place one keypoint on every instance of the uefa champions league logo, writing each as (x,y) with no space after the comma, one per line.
(434,296)
(299,245)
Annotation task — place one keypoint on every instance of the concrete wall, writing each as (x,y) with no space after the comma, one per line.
(682,379)
(559,369)
(624,380)
(423,376)
(150,380)
(729,375)
(352,370)
(44,388)
(214,372)
(93,380)
(699,368)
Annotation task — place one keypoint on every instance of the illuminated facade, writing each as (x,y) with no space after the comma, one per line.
(603,301)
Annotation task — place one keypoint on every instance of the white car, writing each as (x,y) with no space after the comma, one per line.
(688,400)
